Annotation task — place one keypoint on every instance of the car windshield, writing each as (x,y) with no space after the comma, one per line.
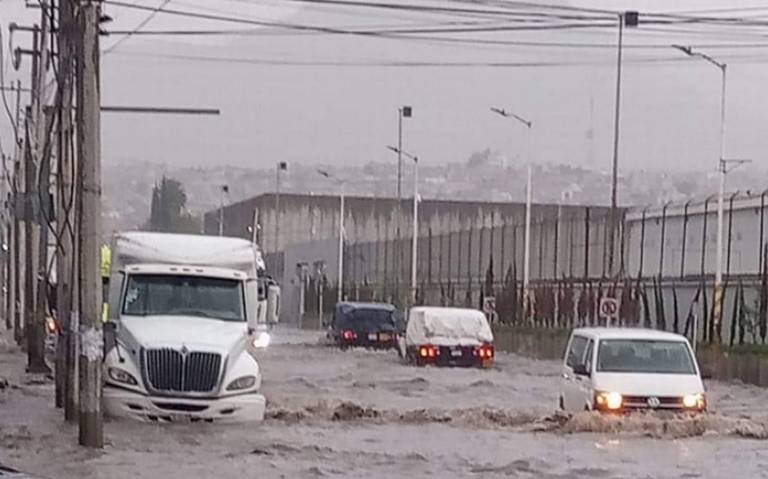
(644,356)
(363,319)
(165,295)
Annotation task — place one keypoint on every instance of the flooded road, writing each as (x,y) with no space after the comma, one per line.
(365,414)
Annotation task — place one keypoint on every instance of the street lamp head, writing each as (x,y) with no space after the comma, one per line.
(392,148)
(687,50)
(499,111)
(324,173)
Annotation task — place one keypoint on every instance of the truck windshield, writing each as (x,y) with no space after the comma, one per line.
(167,295)
(644,356)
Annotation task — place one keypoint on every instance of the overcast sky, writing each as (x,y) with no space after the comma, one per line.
(340,109)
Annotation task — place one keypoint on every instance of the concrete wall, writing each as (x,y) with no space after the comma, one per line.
(680,240)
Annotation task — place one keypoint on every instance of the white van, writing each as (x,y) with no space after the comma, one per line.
(617,369)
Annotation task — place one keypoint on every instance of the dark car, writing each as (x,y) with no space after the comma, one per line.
(369,325)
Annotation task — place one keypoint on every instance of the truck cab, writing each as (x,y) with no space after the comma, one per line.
(187,315)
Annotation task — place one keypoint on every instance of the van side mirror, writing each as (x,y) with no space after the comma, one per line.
(581,370)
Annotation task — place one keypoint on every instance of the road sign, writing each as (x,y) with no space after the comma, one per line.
(609,308)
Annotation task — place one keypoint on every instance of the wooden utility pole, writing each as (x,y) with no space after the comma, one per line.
(66,350)
(17,240)
(36,274)
(6,250)
(89,234)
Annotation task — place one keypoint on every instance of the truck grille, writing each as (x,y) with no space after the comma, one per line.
(168,370)
(641,402)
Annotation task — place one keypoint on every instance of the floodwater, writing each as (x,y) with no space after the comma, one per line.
(365,414)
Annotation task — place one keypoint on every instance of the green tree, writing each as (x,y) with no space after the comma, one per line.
(168,213)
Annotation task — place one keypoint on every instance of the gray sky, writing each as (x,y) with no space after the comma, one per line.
(347,114)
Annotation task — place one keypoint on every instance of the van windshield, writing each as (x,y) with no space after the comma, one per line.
(644,356)
(173,295)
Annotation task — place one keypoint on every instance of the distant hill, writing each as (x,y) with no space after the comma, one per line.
(486,176)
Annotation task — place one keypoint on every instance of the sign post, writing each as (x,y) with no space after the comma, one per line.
(489,308)
(609,309)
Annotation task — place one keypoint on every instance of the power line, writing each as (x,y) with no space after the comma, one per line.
(408,64)
(138,28)
(567,45)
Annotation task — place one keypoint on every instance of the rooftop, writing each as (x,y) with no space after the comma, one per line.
(629,333)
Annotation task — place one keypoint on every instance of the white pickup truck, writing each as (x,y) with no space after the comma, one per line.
(187,315)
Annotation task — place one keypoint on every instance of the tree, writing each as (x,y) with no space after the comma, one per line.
(168,213)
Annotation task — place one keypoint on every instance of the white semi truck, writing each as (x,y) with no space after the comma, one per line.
(187,315)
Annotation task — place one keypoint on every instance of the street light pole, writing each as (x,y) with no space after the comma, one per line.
(528,202)
(341,245)
(340,182)
(281,166)
(415,233)
(403,112)
(722,167)
(415,226)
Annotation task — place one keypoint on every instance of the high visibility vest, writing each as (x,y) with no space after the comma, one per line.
(106,261)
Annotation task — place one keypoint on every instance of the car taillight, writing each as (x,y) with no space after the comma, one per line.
(428,352)
(484,352)
(349,335)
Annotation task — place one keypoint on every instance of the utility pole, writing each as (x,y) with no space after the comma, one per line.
(39,195)
(17,247)
(66,351)
(402,112)
(89,234)
(6,239)
(35,332)
(629,19)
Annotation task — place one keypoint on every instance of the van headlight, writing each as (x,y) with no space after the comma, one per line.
(121,376)
(244,382)
(261,340)
(694,401)
(610,401)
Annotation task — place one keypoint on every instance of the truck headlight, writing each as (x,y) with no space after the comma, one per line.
(694,401)
(261,340)
(608,400)
(244,382)
(120,376)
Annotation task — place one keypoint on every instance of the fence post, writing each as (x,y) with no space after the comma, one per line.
(663,234)
(685,236)
(730,231)
(586,242)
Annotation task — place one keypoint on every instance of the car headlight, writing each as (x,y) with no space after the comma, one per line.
(609,400)
(261,340)
(244,382)
(694,401)
(120,376)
